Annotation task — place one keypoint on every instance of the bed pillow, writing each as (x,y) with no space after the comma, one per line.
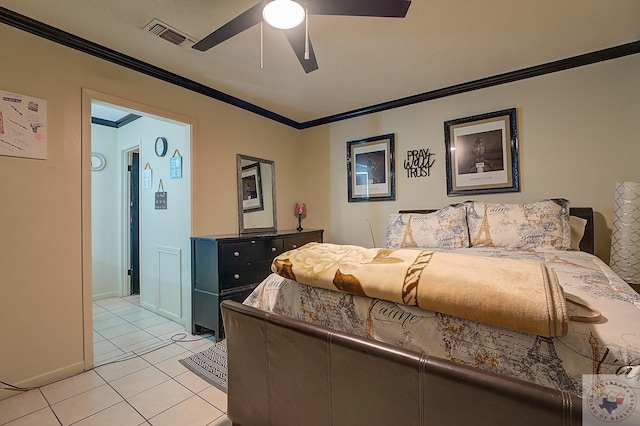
(445,228)
(544,224)
(577,225)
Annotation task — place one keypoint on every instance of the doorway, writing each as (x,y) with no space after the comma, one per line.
(134,223)
(149,255)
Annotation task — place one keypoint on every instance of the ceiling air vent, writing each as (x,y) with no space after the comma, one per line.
(168,33)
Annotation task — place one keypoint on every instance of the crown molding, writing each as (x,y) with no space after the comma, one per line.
(58,36)
(496,80)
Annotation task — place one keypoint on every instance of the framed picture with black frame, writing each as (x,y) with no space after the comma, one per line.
(371,169)
(482,154)
(252,188)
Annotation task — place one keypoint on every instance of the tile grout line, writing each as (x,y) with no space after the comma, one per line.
(193,393)
(189,349)
(126,400)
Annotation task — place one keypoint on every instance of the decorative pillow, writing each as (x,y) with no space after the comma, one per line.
(544,224)
(445,228)
(577,225)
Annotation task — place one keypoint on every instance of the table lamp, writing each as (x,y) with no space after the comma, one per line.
(301,209)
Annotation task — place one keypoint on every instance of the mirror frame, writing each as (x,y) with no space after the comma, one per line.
(241,226)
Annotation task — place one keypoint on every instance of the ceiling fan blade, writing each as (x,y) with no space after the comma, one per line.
(296,38)
(381,8)
(242,22)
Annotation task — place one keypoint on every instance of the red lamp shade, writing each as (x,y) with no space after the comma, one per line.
(301,208)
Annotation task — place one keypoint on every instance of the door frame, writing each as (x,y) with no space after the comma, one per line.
(88,96)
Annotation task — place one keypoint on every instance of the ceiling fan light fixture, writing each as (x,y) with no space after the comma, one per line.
(283,14)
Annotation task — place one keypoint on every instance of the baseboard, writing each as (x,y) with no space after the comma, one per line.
(105,295)
(44,379)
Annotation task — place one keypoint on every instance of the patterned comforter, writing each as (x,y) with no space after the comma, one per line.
(557,362)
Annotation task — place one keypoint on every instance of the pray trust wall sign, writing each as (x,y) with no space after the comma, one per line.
(418,163)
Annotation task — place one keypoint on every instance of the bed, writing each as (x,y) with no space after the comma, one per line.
(524,364)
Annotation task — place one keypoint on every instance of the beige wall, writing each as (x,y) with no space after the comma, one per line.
(578,135)
(41,288)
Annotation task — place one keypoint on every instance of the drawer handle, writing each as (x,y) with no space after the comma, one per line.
(273,249)
(236,254)
(295,246)
(236,276)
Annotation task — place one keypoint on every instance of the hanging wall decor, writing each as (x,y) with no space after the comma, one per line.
(419,162)
(482,154)
(371,169)
(23,126)
(147,176)
(161,197)
(175,165)
(98,162)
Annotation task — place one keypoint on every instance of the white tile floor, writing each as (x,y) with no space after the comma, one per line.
(146,386)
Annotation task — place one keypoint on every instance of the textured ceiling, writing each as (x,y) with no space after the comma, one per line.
(363,61)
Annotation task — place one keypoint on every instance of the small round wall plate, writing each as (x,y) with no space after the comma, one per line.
(98,162)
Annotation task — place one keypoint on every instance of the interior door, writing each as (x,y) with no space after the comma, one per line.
(134,215)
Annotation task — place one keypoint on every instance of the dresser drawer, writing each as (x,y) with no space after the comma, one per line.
(238,276)
(206,308)
(291,243)
(248,252)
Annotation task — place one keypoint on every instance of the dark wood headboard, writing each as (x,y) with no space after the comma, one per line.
(587,244)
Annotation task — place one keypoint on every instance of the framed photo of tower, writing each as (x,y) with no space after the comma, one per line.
(371,169)
(482,153)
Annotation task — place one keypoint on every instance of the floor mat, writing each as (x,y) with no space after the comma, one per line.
(210,364)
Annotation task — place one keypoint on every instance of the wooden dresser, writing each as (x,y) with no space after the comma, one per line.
(231,266)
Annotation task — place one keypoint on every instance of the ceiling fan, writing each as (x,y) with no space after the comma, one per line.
(298,36)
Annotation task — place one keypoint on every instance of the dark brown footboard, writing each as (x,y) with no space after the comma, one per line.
(284,371)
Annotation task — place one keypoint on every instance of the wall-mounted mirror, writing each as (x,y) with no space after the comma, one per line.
(256,195)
